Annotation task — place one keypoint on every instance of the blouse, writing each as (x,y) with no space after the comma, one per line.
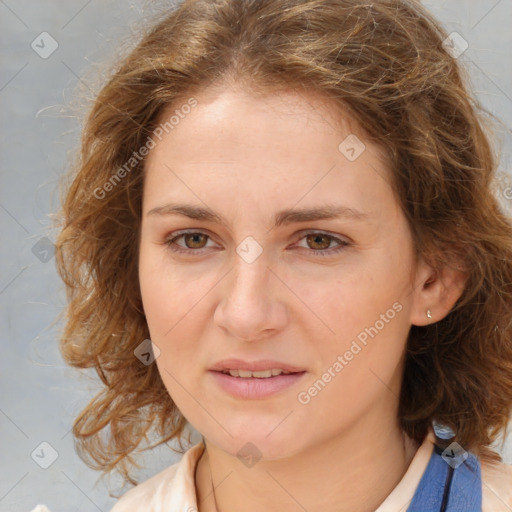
(174,489)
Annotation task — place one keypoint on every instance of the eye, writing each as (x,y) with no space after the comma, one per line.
(320,243)
(193,241)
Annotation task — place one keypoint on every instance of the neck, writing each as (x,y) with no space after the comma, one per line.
(354,472)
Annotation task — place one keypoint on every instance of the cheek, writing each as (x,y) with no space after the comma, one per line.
(363,318)
(155,300)
(351,299)
(167,313)
(173,309)
(166,294)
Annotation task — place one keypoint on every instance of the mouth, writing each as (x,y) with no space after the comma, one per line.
(263,374)
(255,380)
(257,368)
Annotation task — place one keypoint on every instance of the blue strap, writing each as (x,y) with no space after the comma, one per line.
(444,488)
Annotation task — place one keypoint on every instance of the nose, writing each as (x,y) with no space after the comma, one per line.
(252,305)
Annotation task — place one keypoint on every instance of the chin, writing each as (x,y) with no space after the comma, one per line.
(256,441)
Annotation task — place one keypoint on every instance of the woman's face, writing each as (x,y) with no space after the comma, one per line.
(270,276)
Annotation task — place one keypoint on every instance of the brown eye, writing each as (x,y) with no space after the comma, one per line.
(319,241)
(318,244)
(192,243)
(195,240)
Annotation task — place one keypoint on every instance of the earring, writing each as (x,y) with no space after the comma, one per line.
(429,315)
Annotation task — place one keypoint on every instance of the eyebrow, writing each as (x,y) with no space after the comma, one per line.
(283,217)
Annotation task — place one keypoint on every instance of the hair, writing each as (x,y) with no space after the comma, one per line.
(384,61)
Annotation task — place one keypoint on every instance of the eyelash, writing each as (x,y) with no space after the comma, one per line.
(173,246)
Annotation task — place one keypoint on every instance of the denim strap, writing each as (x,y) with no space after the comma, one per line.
(444,488)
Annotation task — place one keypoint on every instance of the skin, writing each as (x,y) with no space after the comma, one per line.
(247,157)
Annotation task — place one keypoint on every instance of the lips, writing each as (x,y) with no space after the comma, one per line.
(254,366)
(256,388)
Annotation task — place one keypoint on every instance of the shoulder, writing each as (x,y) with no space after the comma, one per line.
(173,487)
(142,494)
(496,487)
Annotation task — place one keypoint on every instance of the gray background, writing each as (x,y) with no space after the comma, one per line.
(39,125)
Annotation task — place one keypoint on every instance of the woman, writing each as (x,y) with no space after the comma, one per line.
(291,199)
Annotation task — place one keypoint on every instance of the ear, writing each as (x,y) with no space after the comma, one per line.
(435,291)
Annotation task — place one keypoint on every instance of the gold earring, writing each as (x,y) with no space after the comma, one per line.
(429,315)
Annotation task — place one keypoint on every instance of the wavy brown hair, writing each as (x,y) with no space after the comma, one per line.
(383,61)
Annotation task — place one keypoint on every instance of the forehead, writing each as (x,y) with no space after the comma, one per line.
(221,107)
(285,146)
